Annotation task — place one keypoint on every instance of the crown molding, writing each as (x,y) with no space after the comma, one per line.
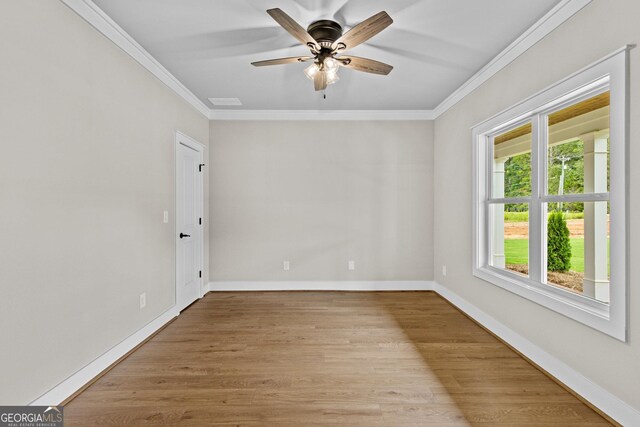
(91,13)
(545,25)
(321,115)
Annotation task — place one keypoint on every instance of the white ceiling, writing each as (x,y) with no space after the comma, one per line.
(434,46)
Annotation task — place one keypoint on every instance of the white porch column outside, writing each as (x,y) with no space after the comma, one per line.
(497,247)
(596,275)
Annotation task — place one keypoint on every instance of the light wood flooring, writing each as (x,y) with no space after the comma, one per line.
(340,358)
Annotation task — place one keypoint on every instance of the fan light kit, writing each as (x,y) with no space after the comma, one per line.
(325,40)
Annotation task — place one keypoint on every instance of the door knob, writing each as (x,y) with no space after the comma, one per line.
(184,235)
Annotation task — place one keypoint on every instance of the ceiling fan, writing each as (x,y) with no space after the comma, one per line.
(327,43)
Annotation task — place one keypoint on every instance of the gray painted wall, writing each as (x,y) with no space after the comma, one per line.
(319,194)
(86,171)
(600,28)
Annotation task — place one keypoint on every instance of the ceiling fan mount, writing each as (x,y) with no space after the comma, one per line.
(326,41)
(325,32)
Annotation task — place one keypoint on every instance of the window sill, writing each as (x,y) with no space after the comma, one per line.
(589,312)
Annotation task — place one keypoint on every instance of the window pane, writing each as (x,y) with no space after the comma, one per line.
(510,237)
(578,153)
(578,248)
(512,163)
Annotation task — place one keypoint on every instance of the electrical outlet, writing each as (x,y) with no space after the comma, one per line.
(165,217)
(285,265)
(444,270)
(143,300)
(352,265)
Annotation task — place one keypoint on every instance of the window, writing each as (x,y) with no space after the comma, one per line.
(550,205)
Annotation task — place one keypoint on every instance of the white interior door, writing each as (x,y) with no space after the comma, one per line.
(189,235)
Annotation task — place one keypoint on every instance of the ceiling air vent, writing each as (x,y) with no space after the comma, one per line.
(225,101)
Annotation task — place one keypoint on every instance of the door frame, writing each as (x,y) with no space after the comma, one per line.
(183,139)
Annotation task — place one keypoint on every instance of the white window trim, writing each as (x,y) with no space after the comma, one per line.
(610,72)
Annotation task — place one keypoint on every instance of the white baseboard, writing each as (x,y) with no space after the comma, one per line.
(75,382)
(608,403)
(382,285)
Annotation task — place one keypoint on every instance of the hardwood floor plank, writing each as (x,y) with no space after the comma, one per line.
(319,358)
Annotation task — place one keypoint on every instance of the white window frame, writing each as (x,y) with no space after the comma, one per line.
(609,73)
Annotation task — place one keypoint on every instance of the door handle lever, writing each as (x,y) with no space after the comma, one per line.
(184,235)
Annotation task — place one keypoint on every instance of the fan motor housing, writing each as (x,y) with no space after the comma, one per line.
(325,31)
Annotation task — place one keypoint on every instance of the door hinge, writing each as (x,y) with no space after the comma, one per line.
(200,221)
(200,167)
(200,273)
